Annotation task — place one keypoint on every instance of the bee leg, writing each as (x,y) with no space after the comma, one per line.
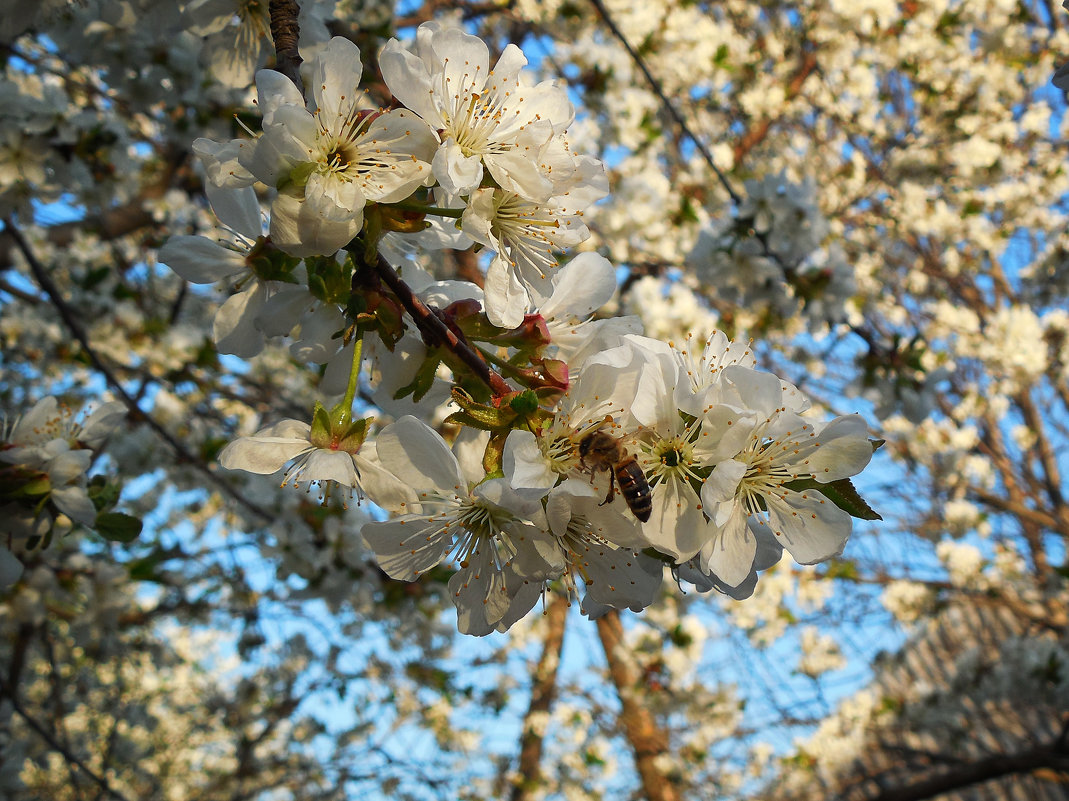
(612,488)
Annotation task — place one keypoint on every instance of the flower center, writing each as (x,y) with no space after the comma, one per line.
(482,527)
(672,459)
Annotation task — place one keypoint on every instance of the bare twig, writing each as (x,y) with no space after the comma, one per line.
(668,105)
(70,321)
(435,332)
(9,693)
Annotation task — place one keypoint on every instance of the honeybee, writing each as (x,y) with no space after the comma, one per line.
(599,450)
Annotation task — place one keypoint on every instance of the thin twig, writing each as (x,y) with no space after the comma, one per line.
(72,324)
(668,105)
(45,735)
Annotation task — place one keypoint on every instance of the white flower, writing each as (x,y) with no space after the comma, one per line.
(268,450)
(783,449)
(483,116)
(525,235)
(580,288)
(534,464)
(199,260)
(481,526)
(48,439)
(329,163)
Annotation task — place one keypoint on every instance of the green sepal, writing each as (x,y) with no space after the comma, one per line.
(328,280)
(102,494)
(876,444)
(297,177)
(118,527)
(477,415)
(841,493)
(353,437)
(525,403)
(18,482)
(494,454)
(322,430)
(269,263)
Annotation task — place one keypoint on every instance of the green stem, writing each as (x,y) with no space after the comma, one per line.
(505,366)
(420,208)
(354,374)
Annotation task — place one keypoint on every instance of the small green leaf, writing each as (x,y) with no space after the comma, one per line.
(525,403)
(118,527)
(843,495)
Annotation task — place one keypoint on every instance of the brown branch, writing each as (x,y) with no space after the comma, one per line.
(286,32)
(70,321)
(543,694)
(648,740)
(990,767)
(435,332)
(755,135)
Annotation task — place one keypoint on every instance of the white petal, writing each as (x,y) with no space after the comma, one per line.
(505,297)
(262,454)
(381,486)
(845,449)
(730,554)
(408,79)
(457,173)
(237,209)
(102,422)
(273,89)
(234,329)
(480,596)
(74,503)
(327,465)
(407,546)
(676,526)
(811,527)
(336,71)
(524,465)
(200,260)
(581,287)
(416,454)
(301,230)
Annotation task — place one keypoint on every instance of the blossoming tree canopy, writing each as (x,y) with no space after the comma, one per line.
(603,454)
(325,333)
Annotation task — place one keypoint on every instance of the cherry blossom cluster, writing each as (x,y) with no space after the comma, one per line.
(45,456)
(589,456)
(771,254)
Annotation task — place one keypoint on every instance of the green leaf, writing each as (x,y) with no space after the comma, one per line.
(525,403)
(118,527)
(842,494)
(423,380)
